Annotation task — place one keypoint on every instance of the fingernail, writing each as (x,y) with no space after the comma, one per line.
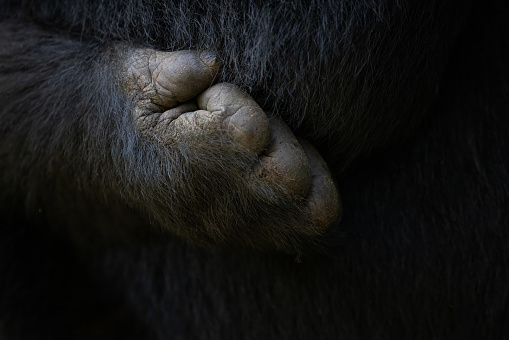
(208,57)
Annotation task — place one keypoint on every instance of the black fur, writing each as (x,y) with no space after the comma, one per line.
(407,101)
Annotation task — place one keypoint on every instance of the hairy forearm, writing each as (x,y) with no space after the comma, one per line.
(124,124)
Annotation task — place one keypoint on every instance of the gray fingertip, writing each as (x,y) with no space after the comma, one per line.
(324,199)
(286,163)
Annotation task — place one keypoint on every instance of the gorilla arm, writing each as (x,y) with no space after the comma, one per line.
(132,125)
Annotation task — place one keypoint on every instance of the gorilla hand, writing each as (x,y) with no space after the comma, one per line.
(233,176)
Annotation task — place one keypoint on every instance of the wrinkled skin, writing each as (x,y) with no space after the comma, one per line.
(137,202)
(174,96)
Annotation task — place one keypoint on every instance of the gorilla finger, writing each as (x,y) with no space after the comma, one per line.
(324,202)
(244,120)
(167,79)
(180,76)
(285,163)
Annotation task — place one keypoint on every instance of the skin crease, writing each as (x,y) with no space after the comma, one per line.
(164,84)
(116,223)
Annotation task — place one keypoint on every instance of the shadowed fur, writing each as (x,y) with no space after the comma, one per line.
(407,101)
